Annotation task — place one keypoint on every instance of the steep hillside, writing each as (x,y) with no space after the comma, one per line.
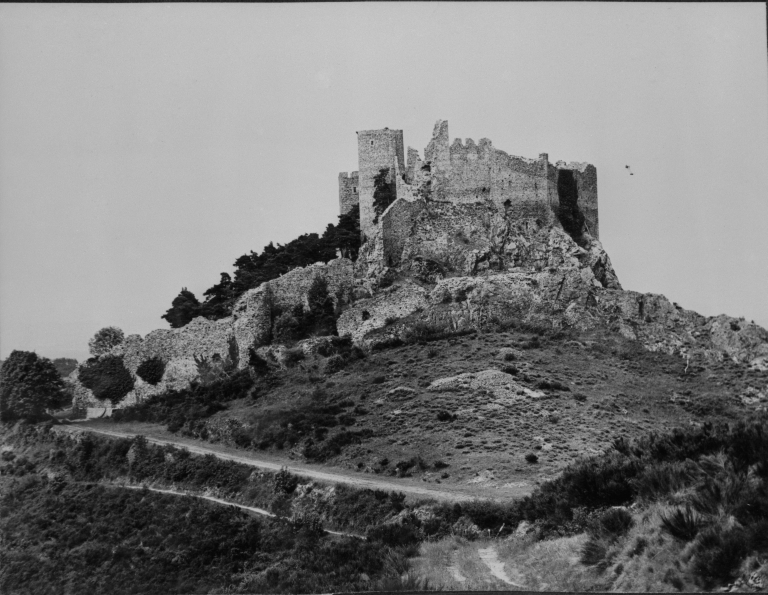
(492,409)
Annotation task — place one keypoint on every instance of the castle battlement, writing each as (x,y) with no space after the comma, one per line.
(468,172)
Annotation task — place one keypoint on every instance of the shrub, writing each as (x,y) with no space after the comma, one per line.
(28,386)
(531,458)
(105,340)
(511,370)
(682,523)
(293,356)
(394,534)
(719,553)
(334,364)
(212,369)
(257,363)
(107,377)
(151,370)
(285,481)
(445,416)
(613,523)
(287,326)
(593,552)
(181,408)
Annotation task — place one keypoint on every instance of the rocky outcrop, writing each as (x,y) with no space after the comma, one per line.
(388,305)
(480,266)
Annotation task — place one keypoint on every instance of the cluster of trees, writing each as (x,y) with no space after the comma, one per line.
(251,270)
(29,387)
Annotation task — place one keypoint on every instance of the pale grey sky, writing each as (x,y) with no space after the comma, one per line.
(144,147)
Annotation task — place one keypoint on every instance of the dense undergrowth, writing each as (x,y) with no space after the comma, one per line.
(710,482)
(64,537)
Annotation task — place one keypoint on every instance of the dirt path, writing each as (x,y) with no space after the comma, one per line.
(253,509)
(303,471)
(491,559)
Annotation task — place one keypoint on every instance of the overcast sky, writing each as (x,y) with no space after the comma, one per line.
(144,147)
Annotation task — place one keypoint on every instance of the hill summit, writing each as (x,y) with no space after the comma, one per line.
(467,238)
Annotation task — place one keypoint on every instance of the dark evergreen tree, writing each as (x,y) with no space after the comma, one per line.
(384,193)
(251,270)
(219,299)
(28,386)
(345,237)
(184,308)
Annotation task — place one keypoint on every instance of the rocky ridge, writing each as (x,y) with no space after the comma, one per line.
(450,267)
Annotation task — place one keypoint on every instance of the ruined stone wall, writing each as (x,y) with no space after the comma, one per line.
(585,176)
(438,155)
(397,225)
(377,149)
(253,311)
(176,347)
(469,174)
(348,191)
(466,173)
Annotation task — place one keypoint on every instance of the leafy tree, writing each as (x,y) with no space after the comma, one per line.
(107,377)
(105,339)
(151,370)
(28,386)
(184,308)
(384,193)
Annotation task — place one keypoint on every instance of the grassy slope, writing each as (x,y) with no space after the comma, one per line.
(629,392)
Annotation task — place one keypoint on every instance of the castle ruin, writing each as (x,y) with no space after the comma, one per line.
(469,173)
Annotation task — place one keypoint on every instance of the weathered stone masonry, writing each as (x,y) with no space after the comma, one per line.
(469,173)
(348,191)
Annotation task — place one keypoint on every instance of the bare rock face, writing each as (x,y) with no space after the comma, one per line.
(479,265)
(388,305)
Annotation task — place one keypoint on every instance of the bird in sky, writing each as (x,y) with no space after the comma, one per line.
(630,171)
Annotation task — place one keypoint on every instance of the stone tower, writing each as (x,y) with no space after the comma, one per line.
(376,150)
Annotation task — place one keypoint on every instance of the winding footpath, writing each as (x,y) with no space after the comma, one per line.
(253,509)
(300,470)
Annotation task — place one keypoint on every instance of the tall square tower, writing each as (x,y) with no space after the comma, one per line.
(376,150)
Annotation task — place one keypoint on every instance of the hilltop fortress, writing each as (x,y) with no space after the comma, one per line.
(463,173)
(467,238)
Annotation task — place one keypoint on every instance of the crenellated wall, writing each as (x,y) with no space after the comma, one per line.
(469,172)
